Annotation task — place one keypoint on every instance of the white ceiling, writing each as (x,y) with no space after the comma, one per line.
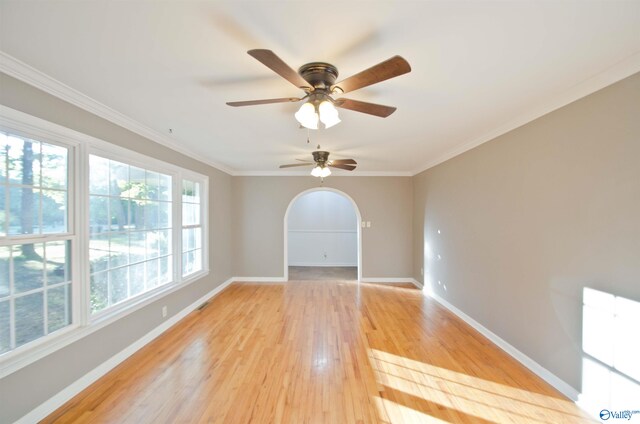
(479,68)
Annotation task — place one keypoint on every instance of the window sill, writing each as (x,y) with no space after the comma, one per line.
(23,356)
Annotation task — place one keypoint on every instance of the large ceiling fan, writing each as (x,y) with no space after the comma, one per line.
(321,164)
(318,80)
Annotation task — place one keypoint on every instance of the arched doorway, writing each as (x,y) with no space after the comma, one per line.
(341,234)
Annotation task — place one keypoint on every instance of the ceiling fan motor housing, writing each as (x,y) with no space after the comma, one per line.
(320,157)
(320,75)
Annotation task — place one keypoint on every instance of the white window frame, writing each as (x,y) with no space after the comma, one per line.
(80,147)
(204,218)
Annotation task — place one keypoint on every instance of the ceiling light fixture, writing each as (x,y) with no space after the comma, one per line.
(320,171)
(319,108)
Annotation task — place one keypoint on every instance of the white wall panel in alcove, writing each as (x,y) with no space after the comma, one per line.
(322,231)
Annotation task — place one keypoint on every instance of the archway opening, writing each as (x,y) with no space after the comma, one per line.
(322,237)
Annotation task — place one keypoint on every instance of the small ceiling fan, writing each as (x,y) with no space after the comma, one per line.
(318,80)
(322,164)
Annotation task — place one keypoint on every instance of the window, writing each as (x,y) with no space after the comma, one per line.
(130,226)
(35,241)
(191,227)
(89,232)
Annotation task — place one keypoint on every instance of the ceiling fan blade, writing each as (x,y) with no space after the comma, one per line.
(264,102)
(364,107)
(346,167)
(277,65)
(390,68)
(343,162)
(296,164)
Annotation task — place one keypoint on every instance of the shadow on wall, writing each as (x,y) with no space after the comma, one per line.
(611,355)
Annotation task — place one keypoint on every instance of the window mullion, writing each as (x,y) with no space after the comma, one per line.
(177,228)
(80,249)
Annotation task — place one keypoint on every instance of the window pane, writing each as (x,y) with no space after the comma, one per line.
(137,214)
(151,215)
(137,278)
(4,216)
(99,253)
(23,211)
(99,171)
(54,211)
(190,191)
(164,242)
(119,211)
(187,190)
(190,214)
(3,157)
(119,249)
(164,215)
(59,307)
(118,178)
(54,166)
(98,214)
(137,188)
(15,148)
(152,244)
(152,185)
(191,238)
(28,267)
(152,273)
(165,270)
(197,260)
(29,318)
(187,263)
(4,271)
(164,188)
(58,266)
(137,246)
(5,327)
(99,291)
(118,282)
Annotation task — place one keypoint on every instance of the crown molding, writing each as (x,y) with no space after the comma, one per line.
(333,175)
(611,75)
(28,74)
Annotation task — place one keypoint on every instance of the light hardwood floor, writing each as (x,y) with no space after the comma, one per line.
(319,352)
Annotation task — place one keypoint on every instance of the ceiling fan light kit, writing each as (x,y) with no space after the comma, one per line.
(318,109)
(318,81)
(321,171)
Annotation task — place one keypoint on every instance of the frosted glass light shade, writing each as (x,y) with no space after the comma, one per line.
(319,171)
(307,116)
(328,114)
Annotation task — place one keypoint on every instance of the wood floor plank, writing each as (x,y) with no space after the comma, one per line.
(319,352)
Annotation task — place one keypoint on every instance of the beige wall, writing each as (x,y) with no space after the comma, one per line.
(25,389)
(260,203)
(529,219)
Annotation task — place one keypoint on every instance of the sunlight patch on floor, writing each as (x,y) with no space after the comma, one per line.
(392,413)
(471,396)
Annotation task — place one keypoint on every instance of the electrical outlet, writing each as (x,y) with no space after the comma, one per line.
(364,224)
(368,224)
(421,271)
(164,312)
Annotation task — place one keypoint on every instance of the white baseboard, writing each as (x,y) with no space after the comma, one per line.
(532,365)
(85,381)
(260,279)
(322,264)
(397,280)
